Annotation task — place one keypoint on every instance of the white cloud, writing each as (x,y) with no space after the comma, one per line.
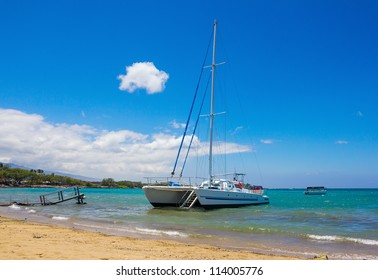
(113,139)
(143,75)
(341,142)
(177,125)
(236,130)
(27,139)
(267,141)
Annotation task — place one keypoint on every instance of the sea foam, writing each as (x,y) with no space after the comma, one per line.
(323,237)
(14,206)
(343,239)
(161,232)
(60,218)
(364,241)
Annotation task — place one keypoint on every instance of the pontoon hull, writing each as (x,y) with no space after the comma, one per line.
(221,199)
(162,196)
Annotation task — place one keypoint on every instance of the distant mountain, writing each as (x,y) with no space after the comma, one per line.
(12,165)
(79,177)
(47,172)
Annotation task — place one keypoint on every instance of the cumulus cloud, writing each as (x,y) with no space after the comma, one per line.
(143,75)
(29,140)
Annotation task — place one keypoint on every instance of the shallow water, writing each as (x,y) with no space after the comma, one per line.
(342,224)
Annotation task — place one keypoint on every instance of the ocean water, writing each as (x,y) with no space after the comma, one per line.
(343,224)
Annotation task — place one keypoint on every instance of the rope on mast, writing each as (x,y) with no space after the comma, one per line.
(191,108)
(195,128)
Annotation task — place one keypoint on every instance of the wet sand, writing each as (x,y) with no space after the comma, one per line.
(22,240)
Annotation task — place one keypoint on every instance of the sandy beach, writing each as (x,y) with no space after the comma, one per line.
(22,240)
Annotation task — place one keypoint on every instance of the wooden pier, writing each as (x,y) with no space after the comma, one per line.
(53,198)
(62,195)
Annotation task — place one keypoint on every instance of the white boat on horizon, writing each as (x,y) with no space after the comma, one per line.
(318,190)
(214,192)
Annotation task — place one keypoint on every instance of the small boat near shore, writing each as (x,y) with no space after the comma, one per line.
(317,190)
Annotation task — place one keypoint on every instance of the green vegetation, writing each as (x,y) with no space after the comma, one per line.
(129,184)
(109,182)
(17,177)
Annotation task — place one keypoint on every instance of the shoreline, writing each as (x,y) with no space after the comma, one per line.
(23,240)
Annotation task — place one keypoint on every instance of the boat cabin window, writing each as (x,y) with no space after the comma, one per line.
(215,186)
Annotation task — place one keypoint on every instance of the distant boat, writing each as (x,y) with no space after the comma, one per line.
(319,190)
(213,192)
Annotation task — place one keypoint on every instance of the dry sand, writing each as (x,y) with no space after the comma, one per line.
(21,240)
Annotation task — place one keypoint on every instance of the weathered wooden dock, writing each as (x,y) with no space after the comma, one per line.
(54,197)
(63,195)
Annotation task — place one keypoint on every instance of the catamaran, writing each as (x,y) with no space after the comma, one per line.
(213,192)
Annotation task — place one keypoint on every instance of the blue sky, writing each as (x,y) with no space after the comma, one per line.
(300,76)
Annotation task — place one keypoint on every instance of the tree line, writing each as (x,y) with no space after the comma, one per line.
(18,177)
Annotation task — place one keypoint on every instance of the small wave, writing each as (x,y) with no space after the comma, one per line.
(343,239)
(364,241)
(90,226)
(31,211)
(260,230)
(103,228)
(323,237)
(161,232)
(14,206)
(60,218)
(135,230)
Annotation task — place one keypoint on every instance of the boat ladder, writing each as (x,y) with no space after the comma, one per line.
(189,201)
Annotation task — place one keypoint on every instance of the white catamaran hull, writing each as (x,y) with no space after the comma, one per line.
(210,198)
(162,196)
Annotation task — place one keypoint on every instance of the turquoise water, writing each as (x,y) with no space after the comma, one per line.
(342,224)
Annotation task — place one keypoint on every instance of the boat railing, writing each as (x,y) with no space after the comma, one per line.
(257,191)
(316,188)
(174,181)
(235,176)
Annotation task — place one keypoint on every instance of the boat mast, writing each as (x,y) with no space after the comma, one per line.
(213,65)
